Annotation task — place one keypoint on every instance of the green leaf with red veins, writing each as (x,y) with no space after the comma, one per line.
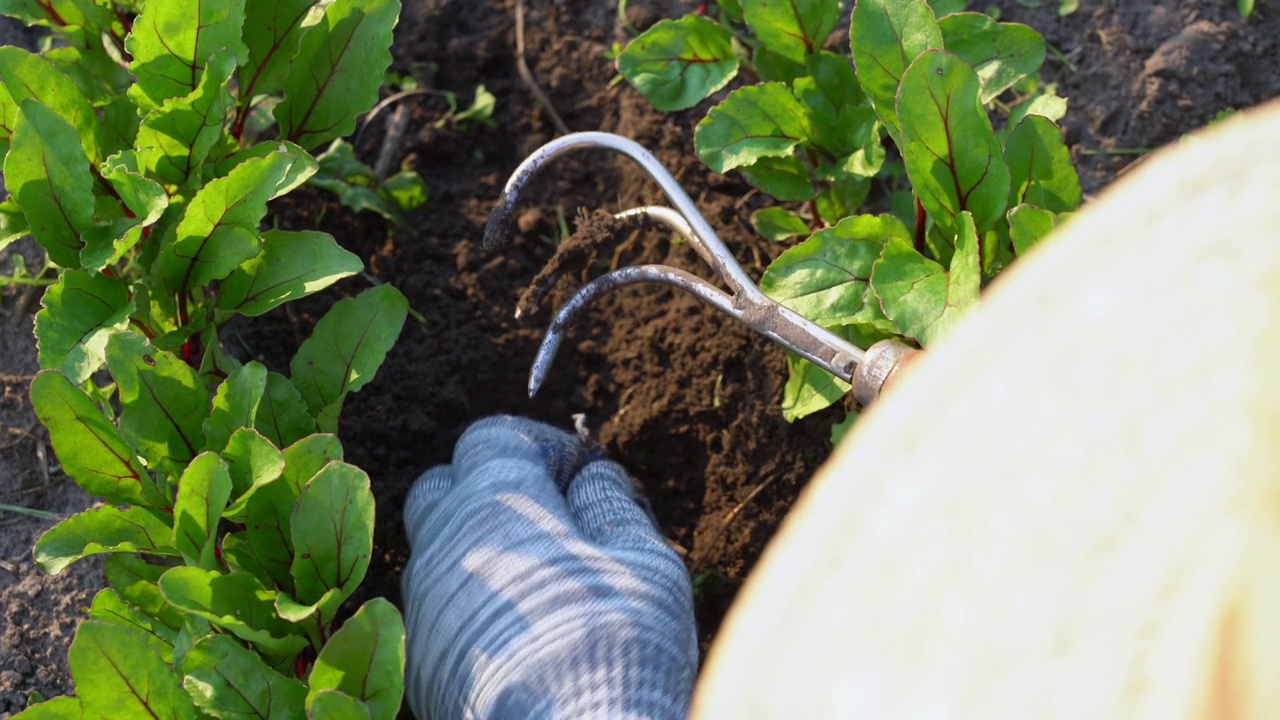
(677,63)
(785,178)
(795,29)
(826,278)
(219,228)
(254,462)
(47,172)
(272,31)
(282,415)
(228,680)
(109,607)
(143,202)
(91,450)
(1001,53)
(345,350)
(838,113)
(337,72)
(337,705)
(886,36)
(235,403)
(175,138)
(79,313)
(918,294)
(31,77)
(1040,167)
(171,44)
(105,529)
(163,402)
(235,602)
(135,579)
(364,659)
(203,490)
(953,158)
(118,674)
(332,532)
(760,121)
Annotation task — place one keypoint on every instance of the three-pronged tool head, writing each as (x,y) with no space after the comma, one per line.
(867,371)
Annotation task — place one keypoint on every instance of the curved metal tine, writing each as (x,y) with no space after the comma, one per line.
(622,277)
(502,219)
(664,216)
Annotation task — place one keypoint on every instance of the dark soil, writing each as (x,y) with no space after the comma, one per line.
(687,400)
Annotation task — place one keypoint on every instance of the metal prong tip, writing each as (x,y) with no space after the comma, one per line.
(501,223)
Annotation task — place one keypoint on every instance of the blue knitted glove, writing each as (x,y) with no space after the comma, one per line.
(538,587)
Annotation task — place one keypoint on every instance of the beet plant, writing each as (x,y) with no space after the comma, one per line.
(817,128)
(140,154)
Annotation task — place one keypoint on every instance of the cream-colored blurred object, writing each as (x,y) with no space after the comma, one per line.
(1069,507)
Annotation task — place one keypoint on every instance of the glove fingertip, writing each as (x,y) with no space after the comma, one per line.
(605,500)
(426,493)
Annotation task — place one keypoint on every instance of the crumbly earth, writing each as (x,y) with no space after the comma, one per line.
(685,399)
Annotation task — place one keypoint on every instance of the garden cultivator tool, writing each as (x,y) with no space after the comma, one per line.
(867,370)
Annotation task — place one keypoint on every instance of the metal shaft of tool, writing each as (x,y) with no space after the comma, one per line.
(782,325)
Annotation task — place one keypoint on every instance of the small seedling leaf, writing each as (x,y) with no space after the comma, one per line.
(343,58)
(219,228)
(282,416)
(92,452)
(228,680)
(332,532)
(345,350)
(163,402)
(235,403)
(203,491)
(136,581)
(272,31)
(365,659)
(886,36)
(826,278)
(235,602)
(842,428)
(109,607)
(78,314)
(918,294)
(171,44)
(842,197)
(952,155)
(677,63)
(118,674)
(1000,53)
(59,708)
(779,224)
(1040,168)
(1028,225)
(48,173)
(105,529)
(809,389)
(175,139)
(796,29)
(32,77)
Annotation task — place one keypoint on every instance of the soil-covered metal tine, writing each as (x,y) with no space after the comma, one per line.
(622,277)
(744,301)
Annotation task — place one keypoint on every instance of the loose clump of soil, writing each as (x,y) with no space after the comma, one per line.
(686,399)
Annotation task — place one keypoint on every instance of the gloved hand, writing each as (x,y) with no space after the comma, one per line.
(538,587)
